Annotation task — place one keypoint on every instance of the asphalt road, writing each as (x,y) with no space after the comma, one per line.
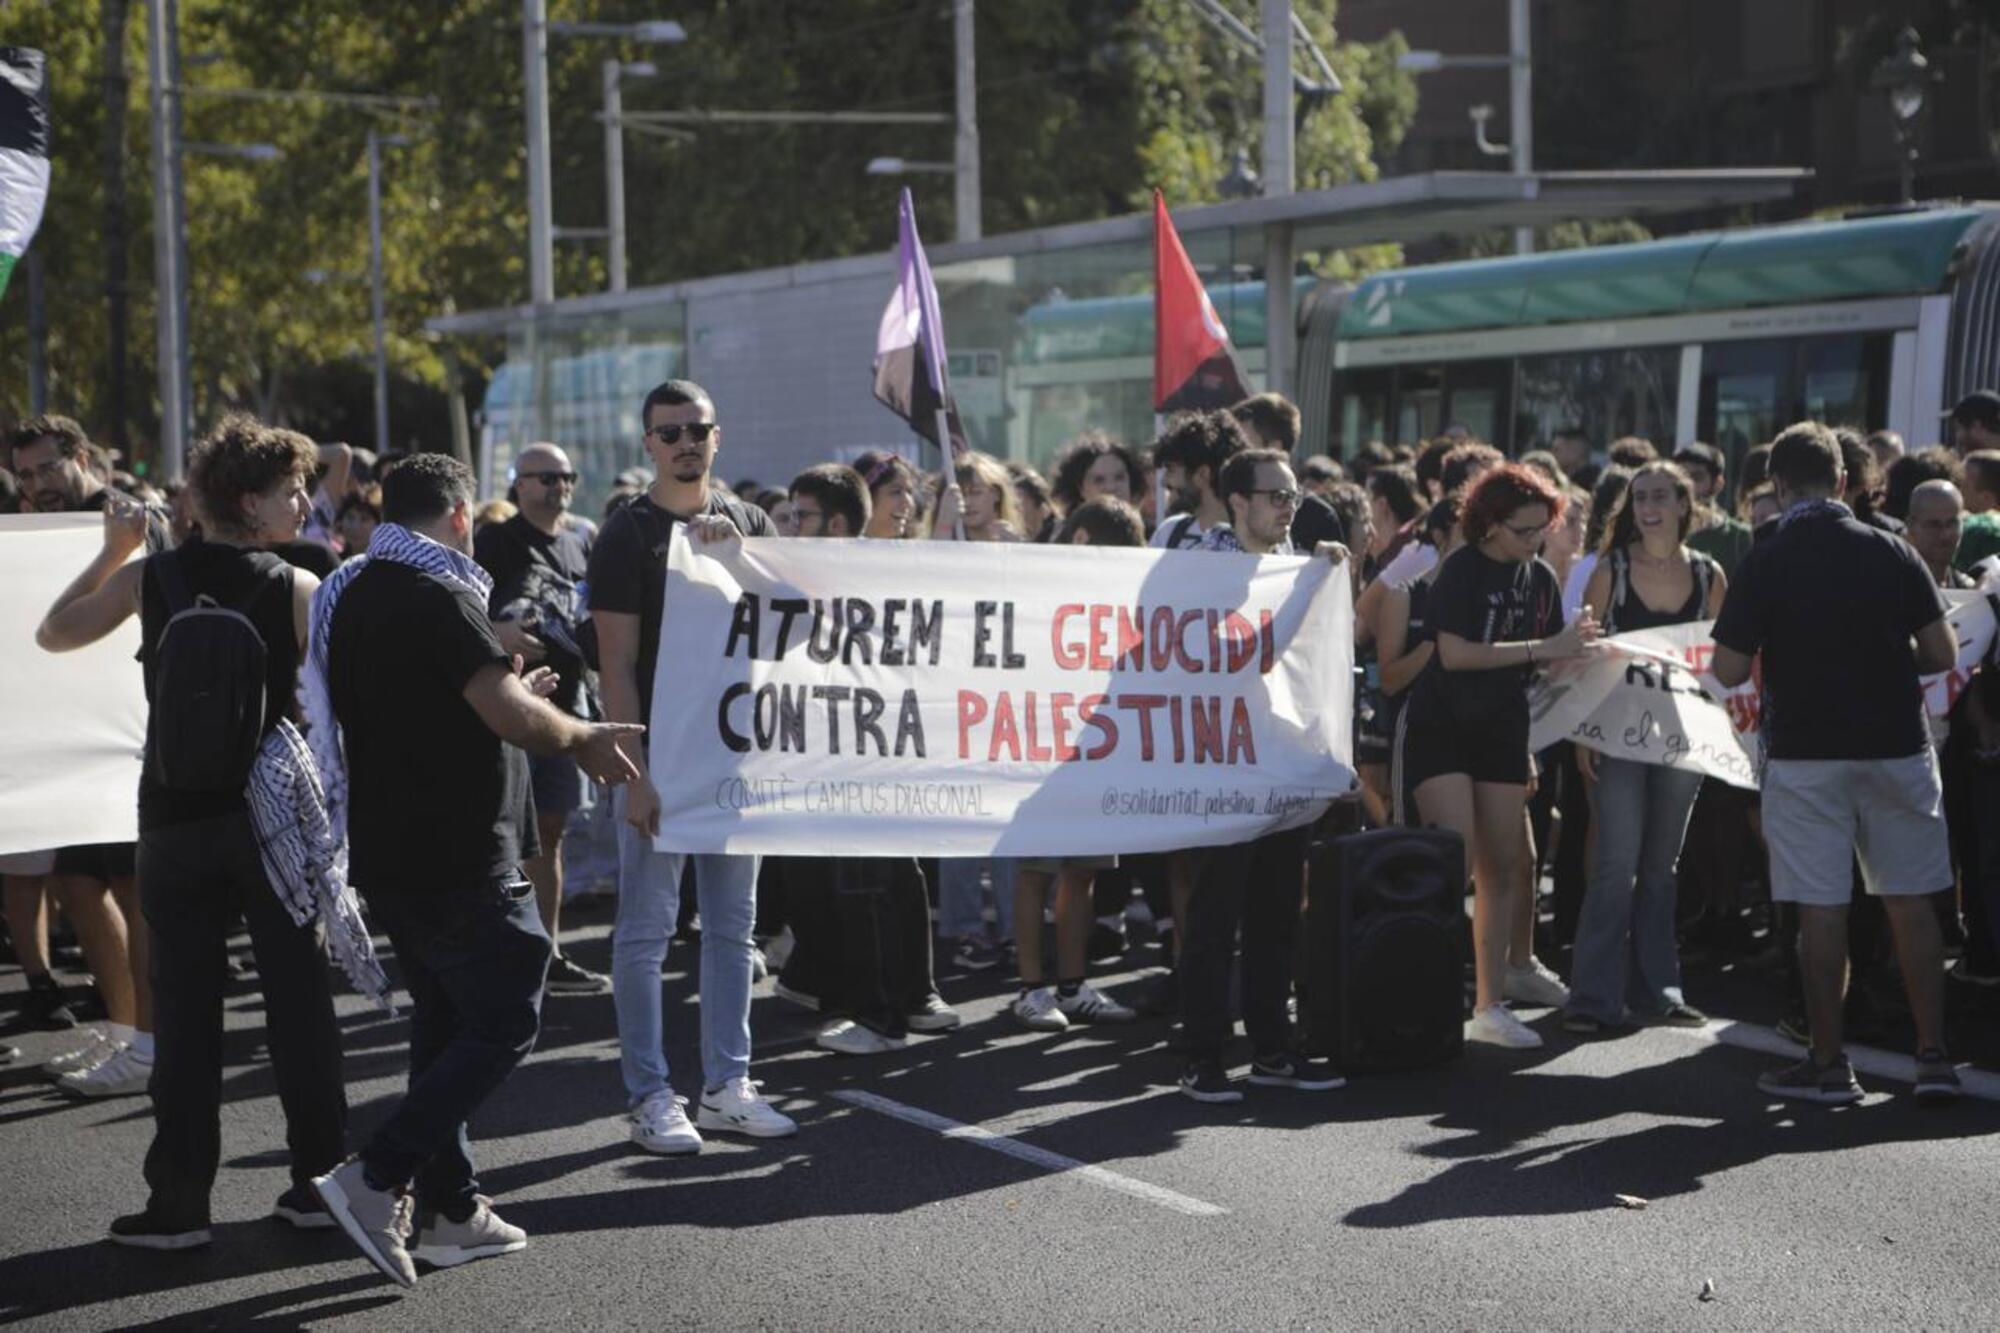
(995,1179)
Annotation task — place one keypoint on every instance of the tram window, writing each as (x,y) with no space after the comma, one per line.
(1626,391)
(1419,403)
(1364,408)
(1846,380)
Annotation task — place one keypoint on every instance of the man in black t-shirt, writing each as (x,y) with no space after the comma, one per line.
(433,719)
(539,560)
(628,580)
(1846,618)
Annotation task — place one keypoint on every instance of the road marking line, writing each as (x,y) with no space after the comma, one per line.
(1027,1152)
(1865,1059)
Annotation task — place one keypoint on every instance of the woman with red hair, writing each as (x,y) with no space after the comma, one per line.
(1496,611)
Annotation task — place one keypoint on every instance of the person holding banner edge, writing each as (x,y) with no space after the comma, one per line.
(1647,578)
(1258,885)
(628,578)
(1495,611)
(1845,618)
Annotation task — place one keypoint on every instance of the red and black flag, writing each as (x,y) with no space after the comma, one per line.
(1193,364)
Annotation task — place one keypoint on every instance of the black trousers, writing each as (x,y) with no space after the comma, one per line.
(875,954)
(1258,886)
(474,961)
(195,881)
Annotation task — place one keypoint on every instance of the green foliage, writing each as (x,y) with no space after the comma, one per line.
(1084,108)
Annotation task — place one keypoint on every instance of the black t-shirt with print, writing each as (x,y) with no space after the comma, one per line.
(436,802)
(628,569)
(1483,600)
(1832,603)
(535,577)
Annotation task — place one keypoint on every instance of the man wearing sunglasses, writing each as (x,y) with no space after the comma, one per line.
(628,579)
(539,559)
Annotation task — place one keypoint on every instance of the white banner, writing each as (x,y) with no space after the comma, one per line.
(1651,698)
(74,724)
(850,698)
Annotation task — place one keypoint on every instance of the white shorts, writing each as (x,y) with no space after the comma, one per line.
(1820,814)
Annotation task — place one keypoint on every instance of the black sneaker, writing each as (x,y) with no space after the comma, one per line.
(1809,1081)
(145,1231)
(1206,1081)
(566,978)
(1589,1025)
(1684,1015)
(1793,1027)
(977,955)
(1937,1079)
(1308,1073)
(47,1006)
(303,1208)
(1107,944)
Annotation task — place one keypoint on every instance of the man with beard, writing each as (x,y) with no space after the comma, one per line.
(1192,453)
(539,560)
(628,578)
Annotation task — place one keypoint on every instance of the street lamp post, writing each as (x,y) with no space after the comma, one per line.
(614,159)
(168,313)
(535,32)
(1906,76)
(376,143)
(1519,64)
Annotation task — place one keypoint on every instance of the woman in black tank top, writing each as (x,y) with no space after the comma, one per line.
(200,866)
(1647,578)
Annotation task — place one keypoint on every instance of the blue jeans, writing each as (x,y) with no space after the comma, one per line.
(590,845)
(649,901)
(1625,935)
(960,914)
(474,961)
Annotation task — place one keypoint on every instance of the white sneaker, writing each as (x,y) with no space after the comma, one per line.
(443,1243)
(1037,1011)
(96,1049)
(760,966)
(660,1124)
(736,1108)
(124,1074)
(1534,984)
(1093,1006)
(1496,1026)
(778,951)
(847,1037)
(933,1015)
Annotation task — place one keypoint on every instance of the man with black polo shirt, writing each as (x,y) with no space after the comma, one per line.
(539,560)
(433,719)
(628,580)
(1846,619)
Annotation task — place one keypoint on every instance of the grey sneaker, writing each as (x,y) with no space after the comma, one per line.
(1937,1079)
(1831,1084)
(443,1243)
(377,1221)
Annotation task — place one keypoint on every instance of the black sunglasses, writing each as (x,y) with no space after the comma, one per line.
(550,478)
(698,431)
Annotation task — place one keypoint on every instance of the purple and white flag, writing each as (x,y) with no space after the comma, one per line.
(910,376)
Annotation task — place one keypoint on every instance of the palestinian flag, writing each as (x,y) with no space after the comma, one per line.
(910,375)
(24,151)
(1193,364)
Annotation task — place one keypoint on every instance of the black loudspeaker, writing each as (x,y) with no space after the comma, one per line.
(1384,948)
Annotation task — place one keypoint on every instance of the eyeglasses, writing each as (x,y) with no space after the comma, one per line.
(1284,497)
(549,478)
(698,431)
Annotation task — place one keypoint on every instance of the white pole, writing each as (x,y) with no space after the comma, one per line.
(375,292)
(1279,172)
(1521,107)
(166,246)
(614,172)
(965,153)
(541,215)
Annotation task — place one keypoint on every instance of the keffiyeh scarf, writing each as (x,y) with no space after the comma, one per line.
(303,861)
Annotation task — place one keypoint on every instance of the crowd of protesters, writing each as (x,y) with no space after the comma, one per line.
(476,680)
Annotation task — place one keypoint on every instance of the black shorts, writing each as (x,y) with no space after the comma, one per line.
(101,861)
(559,785)
(1484,754)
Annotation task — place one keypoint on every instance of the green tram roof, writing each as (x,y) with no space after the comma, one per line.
(1789,265)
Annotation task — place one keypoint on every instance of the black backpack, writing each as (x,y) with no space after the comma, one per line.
(207,716)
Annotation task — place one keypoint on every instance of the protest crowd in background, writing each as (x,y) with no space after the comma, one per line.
(499,787)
